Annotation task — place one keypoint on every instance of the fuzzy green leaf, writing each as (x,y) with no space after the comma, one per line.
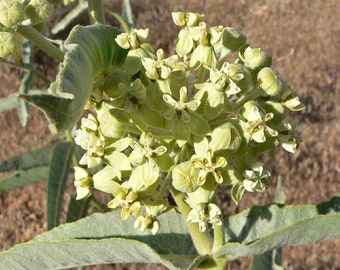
(23,178)
(26,161)
(91,52)
(58,175)
(263,228)
(103,239)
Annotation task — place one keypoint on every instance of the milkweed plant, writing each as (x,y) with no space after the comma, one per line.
(162,134)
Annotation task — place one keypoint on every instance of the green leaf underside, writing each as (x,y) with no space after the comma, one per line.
(58,175)
(23,178)
(26,161)
(303,232)
(97,226)
(104,238)
(76,253)
(263,228)
(91,51)
(99,239)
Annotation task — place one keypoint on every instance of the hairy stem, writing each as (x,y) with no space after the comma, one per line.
(39,40)
(96,11)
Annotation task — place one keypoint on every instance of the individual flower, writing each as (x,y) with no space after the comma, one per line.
(206,38)
(217,90)
(290,100)
(135,43)
(149,220)
(203,211)
(132,40)
(83,182)
(257,178)
(127,200)
(287,136)
(205,214)
(256,122)
(145,222)
(207,163)
(160,67)
(144,150)
(187,19)
(183,118)
(185,42)
(87,138)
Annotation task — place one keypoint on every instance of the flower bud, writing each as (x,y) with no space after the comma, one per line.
(38,11)
(257,178)
(269,81)
(254,58)
(7,43)
(11,12)
(83,182)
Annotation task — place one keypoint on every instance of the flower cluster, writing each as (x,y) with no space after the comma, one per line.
(185,123)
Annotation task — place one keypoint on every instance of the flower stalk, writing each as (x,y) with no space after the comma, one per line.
(96,11)
(39,40)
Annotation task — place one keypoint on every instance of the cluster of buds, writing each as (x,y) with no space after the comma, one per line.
(188,123)
(13,14)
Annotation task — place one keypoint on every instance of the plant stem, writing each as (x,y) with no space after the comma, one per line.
(218,238)
(119,19)
(164,187)
(96,11)
(39,40)
(251,95)
(202,240)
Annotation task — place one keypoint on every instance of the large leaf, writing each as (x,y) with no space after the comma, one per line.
(103,239)
(23,178)
(271,260)
(91,52)
(263,228)
(58,175)
(26,161)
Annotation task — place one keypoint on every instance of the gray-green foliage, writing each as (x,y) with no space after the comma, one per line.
(105,238)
